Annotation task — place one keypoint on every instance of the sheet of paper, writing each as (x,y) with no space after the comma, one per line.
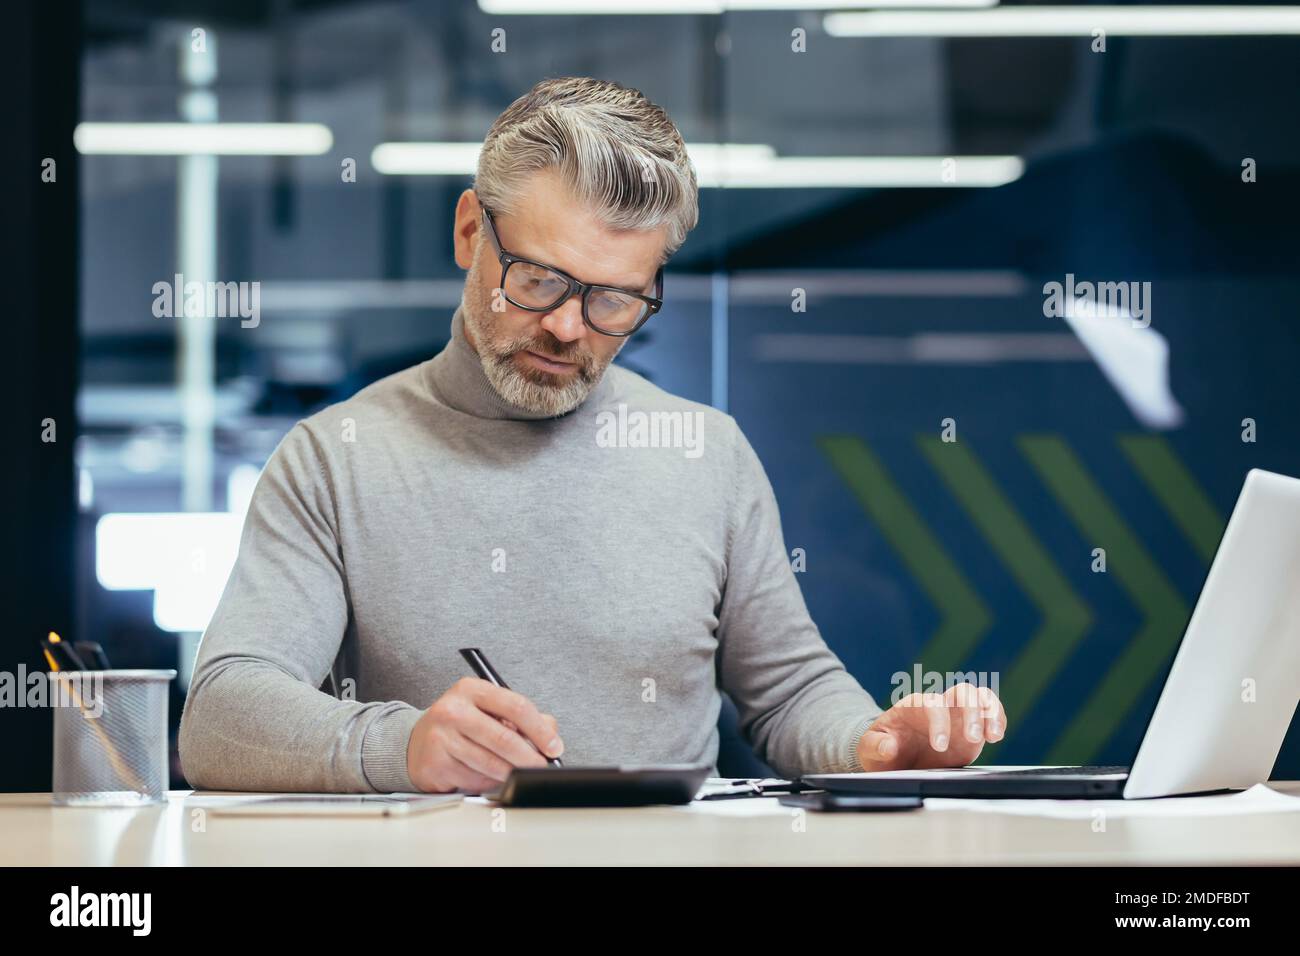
(742,807)
(1258,799)
(734,784)
(201,798)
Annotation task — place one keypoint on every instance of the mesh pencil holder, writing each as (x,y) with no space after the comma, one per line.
(110,737)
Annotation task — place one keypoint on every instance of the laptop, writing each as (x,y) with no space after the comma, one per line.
(1228,696)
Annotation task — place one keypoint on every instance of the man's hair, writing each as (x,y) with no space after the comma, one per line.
(619,153)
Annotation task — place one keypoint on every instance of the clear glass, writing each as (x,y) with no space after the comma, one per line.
(536,287)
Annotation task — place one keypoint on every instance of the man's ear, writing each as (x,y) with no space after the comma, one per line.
(467,228)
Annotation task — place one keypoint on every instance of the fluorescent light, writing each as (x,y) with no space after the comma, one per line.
(644,7)
(239,488)
(183,557)
(209,139)
(425,159)
(745,166)
(855,172)
(1079,21)
(924,348)
(461,159)
(135,551)
(187,603)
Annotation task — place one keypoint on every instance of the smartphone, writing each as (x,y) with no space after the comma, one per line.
(826,801)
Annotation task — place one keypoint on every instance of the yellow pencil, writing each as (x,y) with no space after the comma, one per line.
(124,771)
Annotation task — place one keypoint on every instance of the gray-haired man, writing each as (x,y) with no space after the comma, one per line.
(481,498)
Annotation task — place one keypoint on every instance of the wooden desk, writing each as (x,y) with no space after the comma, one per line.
(34,833)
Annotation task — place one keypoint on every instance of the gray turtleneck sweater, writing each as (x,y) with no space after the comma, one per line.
(618,565)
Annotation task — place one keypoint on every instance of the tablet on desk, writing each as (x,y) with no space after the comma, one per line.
(339,804)
(600,786)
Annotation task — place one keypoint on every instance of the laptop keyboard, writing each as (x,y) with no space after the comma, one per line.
(1074,771)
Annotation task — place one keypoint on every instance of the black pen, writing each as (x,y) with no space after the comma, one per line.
(474,657)
(93,651)
(71,661)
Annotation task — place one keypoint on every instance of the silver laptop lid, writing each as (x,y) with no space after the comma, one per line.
(1235,681)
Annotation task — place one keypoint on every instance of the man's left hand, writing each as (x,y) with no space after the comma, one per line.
(934,730)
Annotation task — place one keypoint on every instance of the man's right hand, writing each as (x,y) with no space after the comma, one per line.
(473,735)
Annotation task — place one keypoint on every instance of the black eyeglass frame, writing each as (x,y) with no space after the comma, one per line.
(507,259)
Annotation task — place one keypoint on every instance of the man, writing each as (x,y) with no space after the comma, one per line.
(488,498)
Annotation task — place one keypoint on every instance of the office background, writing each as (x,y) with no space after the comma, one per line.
(879,216)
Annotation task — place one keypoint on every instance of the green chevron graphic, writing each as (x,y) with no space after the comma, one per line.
(964,616)
(1164,611)
(1065,617)
(1177,491)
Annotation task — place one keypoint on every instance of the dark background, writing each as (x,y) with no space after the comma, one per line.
(1132,172)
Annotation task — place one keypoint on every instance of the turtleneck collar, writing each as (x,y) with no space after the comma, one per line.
(457,378)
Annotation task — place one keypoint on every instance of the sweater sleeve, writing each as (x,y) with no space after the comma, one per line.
(798,706)
(254,718)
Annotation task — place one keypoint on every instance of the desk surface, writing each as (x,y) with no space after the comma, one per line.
(32,832)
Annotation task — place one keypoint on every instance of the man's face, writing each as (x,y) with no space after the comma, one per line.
(547,362)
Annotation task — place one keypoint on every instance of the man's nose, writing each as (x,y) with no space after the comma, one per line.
(565,323)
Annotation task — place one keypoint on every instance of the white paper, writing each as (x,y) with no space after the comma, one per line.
(1258,799)
(739,807)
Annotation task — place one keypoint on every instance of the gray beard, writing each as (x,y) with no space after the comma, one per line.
(539,395)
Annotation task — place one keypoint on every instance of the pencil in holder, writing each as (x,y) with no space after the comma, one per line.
(110,737)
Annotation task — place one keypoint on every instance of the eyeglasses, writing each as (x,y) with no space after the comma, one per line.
(538,287)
